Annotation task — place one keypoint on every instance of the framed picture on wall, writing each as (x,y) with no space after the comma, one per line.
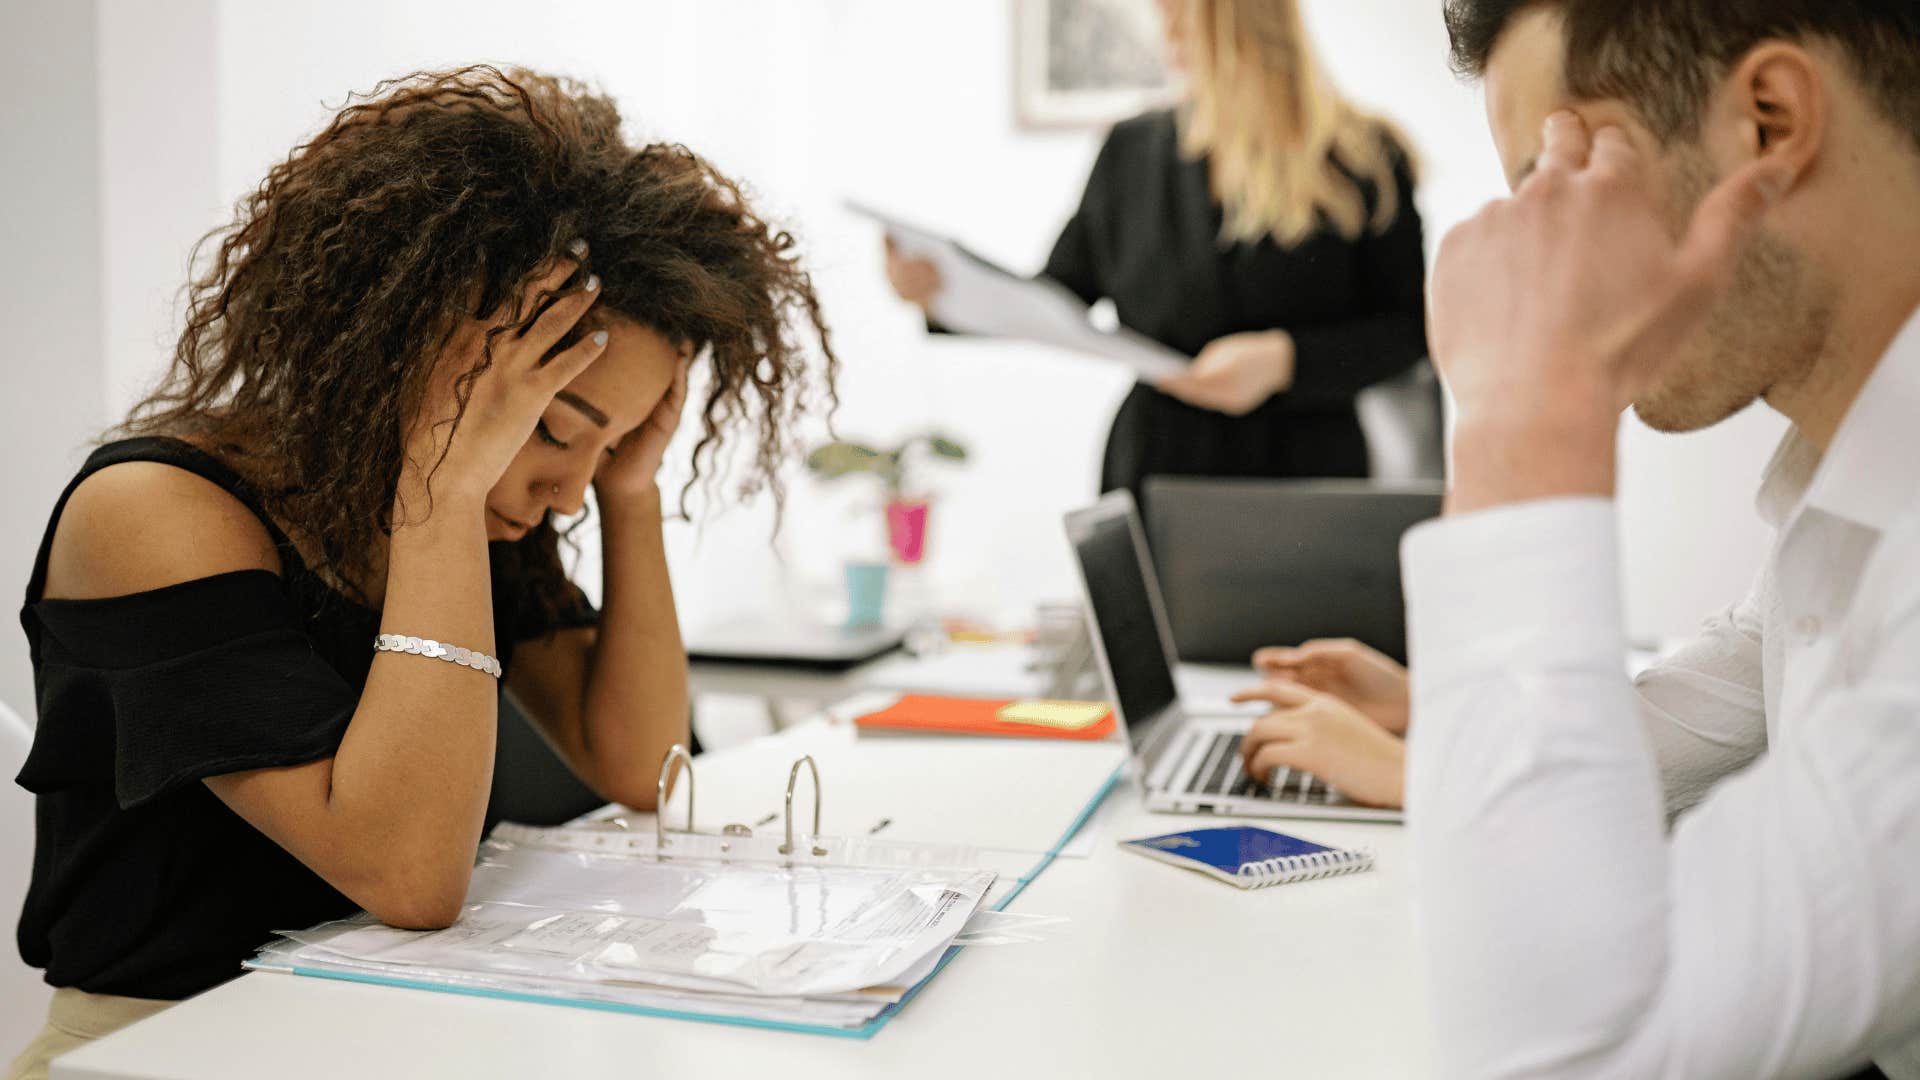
(1087,63)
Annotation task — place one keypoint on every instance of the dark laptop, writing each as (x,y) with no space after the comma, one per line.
(785,641)
(1247,563)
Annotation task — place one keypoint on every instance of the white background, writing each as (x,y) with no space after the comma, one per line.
(130,126)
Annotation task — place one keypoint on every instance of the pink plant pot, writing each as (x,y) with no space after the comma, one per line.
(907,530)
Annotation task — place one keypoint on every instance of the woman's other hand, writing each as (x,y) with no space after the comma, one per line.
(507,399)
(915,280)
(1355,673)
(1325,736)
(1235,374)
(635,463)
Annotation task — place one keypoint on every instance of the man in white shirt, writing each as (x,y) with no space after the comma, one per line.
(1714,202)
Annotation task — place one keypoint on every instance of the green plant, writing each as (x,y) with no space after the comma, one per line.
(843,458)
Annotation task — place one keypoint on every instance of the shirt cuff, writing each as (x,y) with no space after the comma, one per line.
(1531,585)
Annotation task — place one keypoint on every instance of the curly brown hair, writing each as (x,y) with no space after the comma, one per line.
(312,328)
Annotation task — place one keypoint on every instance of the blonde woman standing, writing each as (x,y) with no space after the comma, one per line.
(1264,226)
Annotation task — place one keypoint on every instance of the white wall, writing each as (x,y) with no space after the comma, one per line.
(49,285)
(50,400)
(906,105)
(1691,539)
(158,142)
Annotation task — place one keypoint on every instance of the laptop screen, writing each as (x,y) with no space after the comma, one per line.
(1125,616)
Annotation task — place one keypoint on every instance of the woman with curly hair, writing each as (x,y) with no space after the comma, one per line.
(267,621)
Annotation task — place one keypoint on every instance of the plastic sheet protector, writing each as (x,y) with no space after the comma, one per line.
(789,928)
(637,928)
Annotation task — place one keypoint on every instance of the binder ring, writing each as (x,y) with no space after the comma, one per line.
(793,778)
(679,753)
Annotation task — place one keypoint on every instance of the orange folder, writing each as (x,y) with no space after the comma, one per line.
(969,716)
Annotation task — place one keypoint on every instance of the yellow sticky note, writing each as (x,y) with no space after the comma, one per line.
(1069,715)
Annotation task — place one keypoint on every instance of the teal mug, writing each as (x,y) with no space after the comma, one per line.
(866,594)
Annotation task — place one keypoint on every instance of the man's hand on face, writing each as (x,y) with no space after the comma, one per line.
(1553,308)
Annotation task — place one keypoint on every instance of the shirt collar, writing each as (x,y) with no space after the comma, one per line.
(1869,475)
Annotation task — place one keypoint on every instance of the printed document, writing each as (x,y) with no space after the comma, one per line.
(977,297)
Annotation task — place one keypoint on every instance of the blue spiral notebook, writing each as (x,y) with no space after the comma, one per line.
(1250,857)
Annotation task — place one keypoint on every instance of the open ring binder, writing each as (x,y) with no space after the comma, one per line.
(736,843)
(792,778)
(595,915)
(691,843)
(674,753)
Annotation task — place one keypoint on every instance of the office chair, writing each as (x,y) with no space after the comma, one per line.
(532,785)
(1403,420)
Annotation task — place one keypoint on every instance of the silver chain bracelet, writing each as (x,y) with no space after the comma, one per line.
(438,650)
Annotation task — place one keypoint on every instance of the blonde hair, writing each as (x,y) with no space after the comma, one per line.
(1275,132)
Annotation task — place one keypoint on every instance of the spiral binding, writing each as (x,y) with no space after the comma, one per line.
(1291,868)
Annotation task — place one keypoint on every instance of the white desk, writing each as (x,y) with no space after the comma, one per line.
(1159,972)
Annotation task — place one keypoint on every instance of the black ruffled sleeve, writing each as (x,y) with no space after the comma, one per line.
(177,684)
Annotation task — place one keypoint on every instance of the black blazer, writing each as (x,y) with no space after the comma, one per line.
(1147,236)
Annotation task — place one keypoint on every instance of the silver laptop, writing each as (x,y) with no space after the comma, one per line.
(1187,764)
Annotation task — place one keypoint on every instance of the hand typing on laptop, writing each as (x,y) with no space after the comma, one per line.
(1339,712)
(1191,761)
(1356,673)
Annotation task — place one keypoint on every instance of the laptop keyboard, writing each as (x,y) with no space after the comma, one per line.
(1221,773)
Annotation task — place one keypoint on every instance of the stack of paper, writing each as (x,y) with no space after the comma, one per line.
(818,945)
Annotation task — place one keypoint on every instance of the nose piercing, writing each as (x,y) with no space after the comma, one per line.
(556,489)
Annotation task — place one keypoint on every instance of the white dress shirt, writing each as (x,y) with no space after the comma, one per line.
(1776,930)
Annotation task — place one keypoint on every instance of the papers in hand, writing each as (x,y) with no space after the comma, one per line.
(977,297)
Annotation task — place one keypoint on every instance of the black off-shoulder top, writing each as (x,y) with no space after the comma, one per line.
(144,884)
